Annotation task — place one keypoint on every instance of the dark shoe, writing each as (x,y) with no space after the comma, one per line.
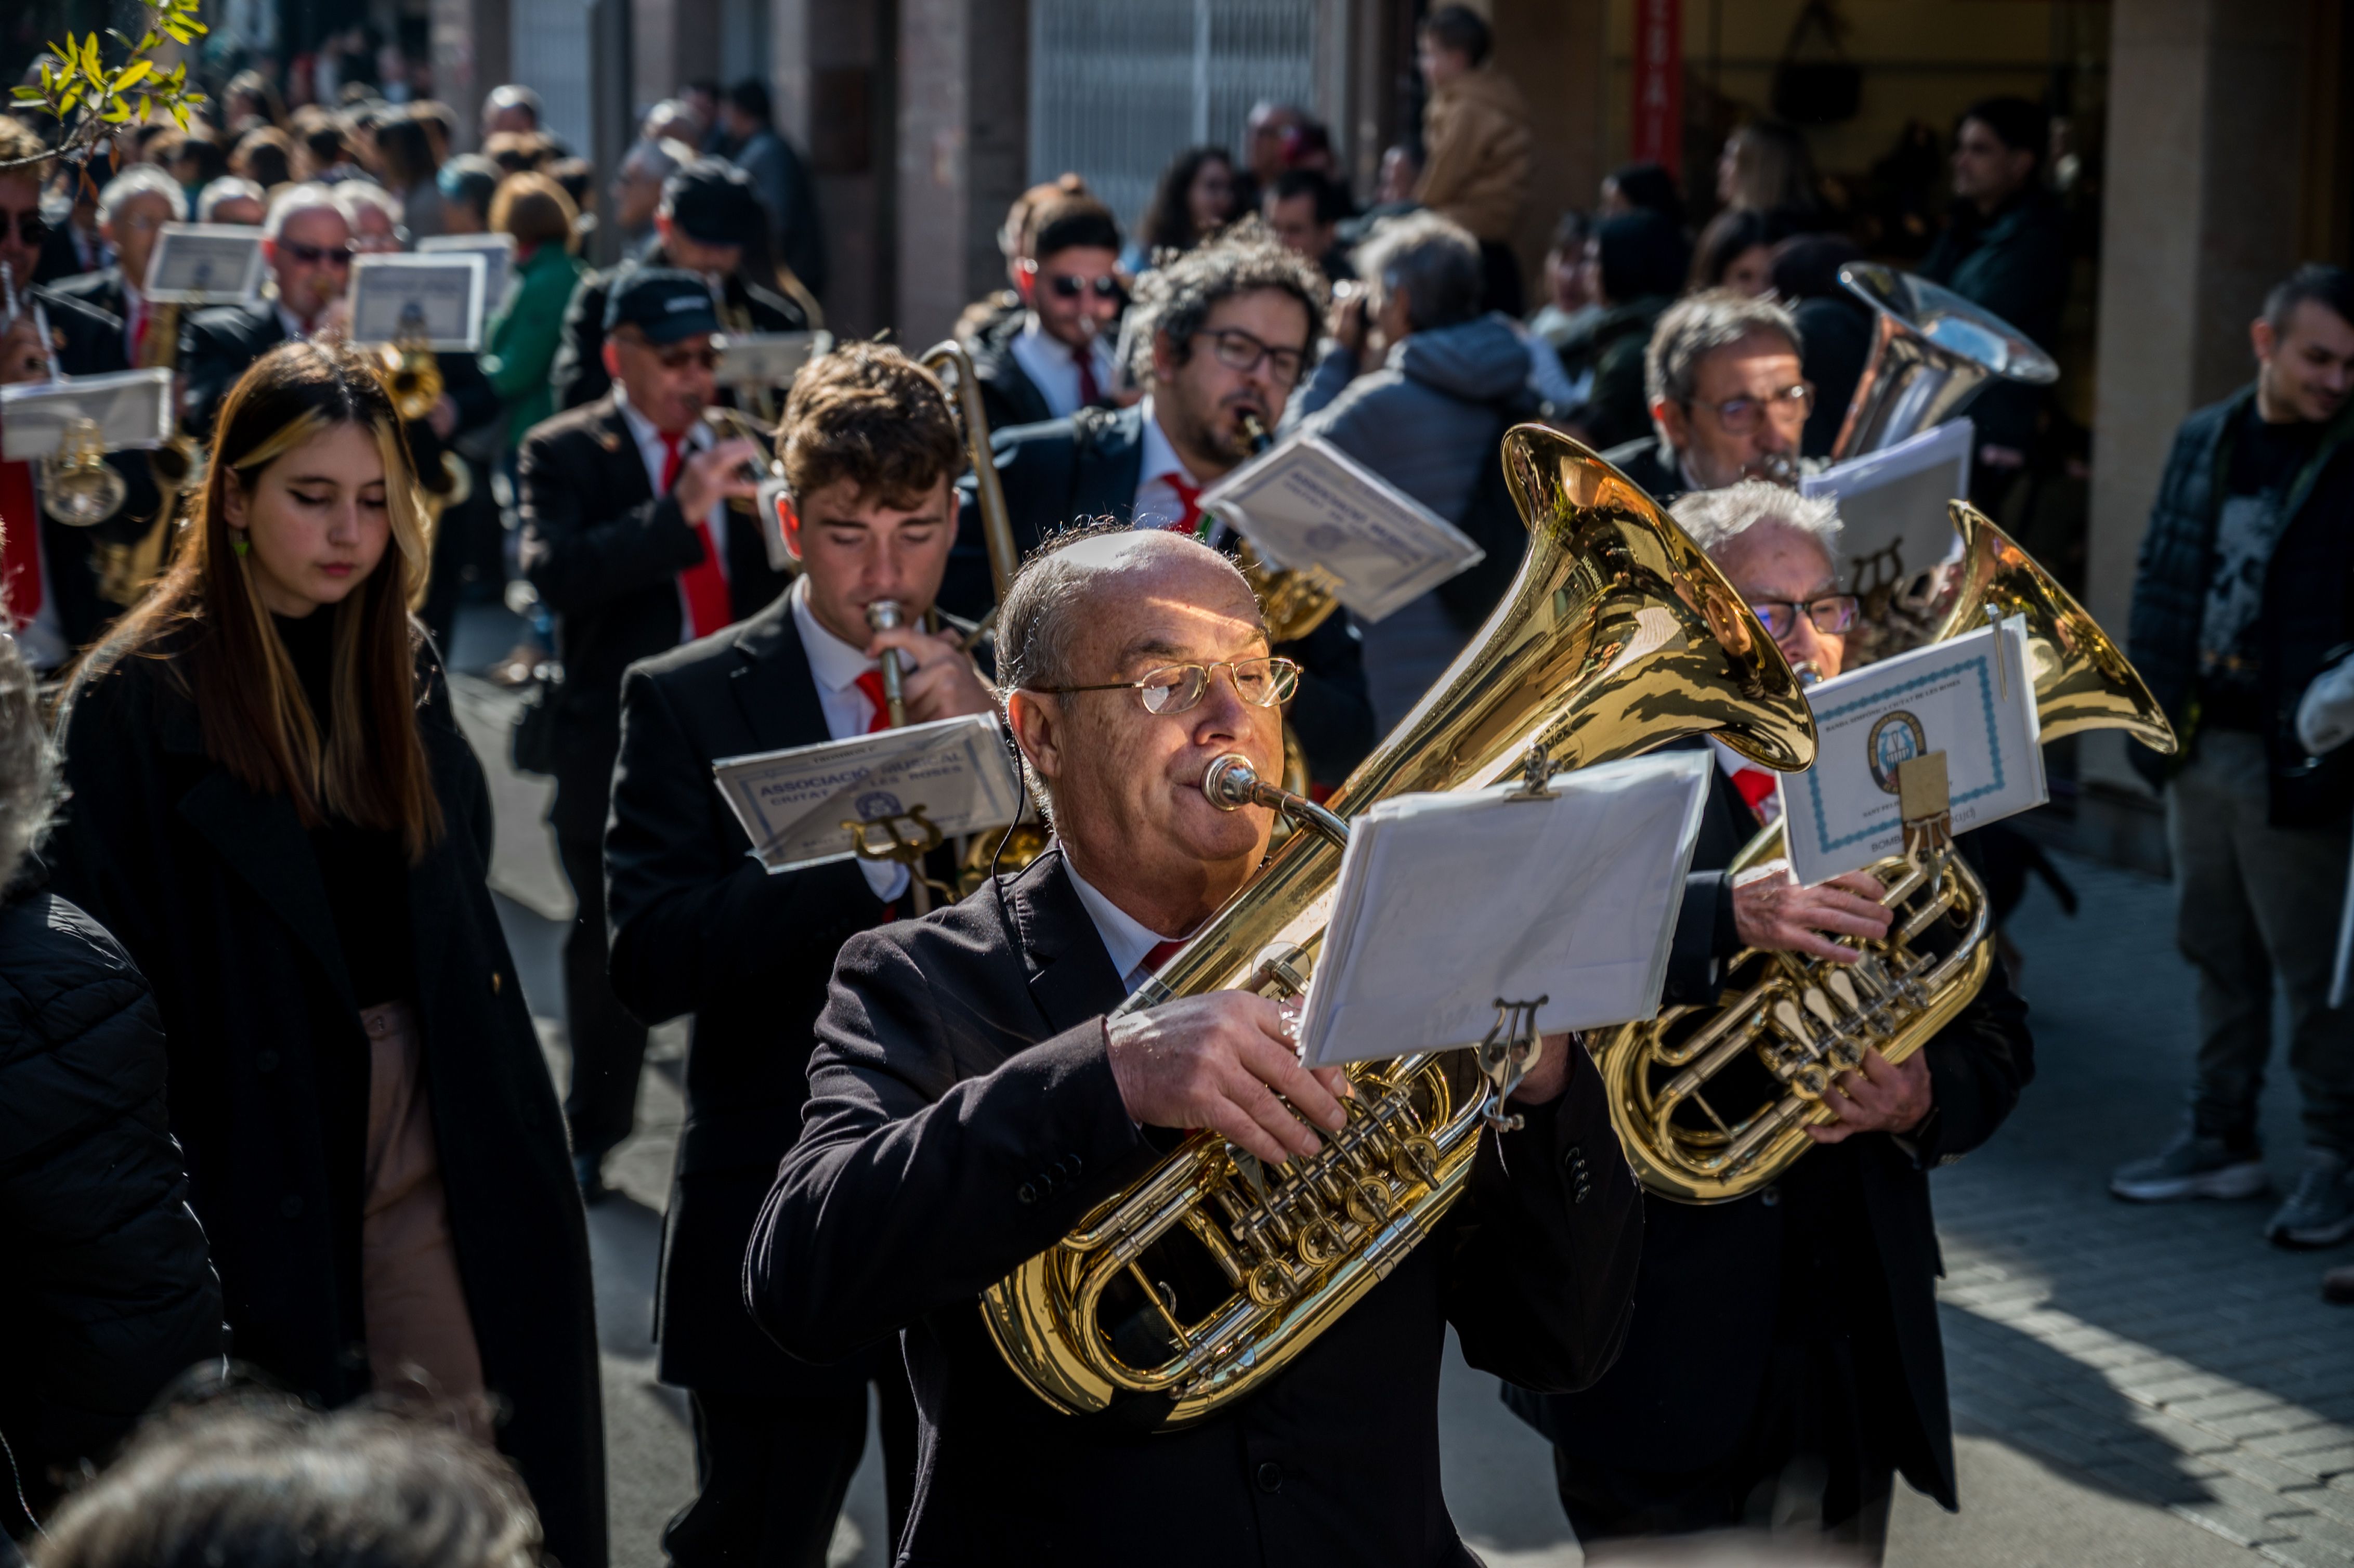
(588,1170)
(2338,1286)
(2320,1213)
(2190,1167)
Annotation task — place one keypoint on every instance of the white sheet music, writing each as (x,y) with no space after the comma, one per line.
(793,804)
(1308,504)
(133,407)
(1448,902)
(1892,503)
(440,294)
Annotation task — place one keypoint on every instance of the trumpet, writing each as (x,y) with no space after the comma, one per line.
(733,424)
(78,487)
(883,615)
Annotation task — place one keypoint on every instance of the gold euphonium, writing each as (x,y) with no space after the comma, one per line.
(1192,1286)
(1788,1024)
(124,570)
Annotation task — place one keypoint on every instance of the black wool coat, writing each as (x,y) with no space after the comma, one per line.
(963,1118)
(700,928)
(217,346)
(215,890)
(605,551)
(111,1291)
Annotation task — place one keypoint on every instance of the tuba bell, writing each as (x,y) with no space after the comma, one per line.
(1932,353)
(1192,1288)
(1788,1024)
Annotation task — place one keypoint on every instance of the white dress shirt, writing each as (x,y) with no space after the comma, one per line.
(835,666)
(1053,369)
(1126,938)
(1730,762)
(1158,504)
(654,455)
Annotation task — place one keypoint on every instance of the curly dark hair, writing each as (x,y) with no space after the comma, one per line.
(1174,299)
(867,413)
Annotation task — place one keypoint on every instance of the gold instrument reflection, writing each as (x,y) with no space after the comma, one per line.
(1198,1283)
(1787,1024)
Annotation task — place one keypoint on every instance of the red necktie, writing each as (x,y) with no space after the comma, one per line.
(1160,954)
(1756,787)
(1189,496)
(1090,389)
(138,331)
(704,585)
(20,552)
(871,682)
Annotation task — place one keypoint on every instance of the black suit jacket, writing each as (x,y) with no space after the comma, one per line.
(1008,396)
(578,372)
(1683,1394)
(1086,468)
(699,928)
(89,341)
(1651,464)
(100,290)
(217,346)
(605,553)
(962,1118)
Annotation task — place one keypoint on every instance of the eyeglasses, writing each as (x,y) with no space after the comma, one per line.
(1833,614)
(314,255)
(1173,688)
(679,358)
(1064,286)
(31,227)
(1739,416)
(1238,350)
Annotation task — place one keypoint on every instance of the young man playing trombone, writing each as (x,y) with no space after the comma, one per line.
(698,928)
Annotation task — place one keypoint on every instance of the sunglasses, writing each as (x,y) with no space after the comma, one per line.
(31,227)
(706,359)
(1174,688)
(1062,286)
(316,255)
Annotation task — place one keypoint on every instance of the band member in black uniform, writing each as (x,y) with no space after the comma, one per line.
(1783,1363)
(1053,356)
(969,1100)
(1232,330)
(871,452)
(307,248)
(133,209)
(628,538)
(708,218)
(53,606)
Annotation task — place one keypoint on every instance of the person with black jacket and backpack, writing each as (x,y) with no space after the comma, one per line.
(1427,420)
(111,1291)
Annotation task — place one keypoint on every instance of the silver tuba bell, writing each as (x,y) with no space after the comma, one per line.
(1932,352)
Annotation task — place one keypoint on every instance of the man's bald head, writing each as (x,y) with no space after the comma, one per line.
(1082,579)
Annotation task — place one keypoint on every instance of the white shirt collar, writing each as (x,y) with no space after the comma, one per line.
(1160,458)
(643,431)
(1125,937)
(836,664)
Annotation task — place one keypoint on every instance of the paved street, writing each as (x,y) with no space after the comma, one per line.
(2134,1386)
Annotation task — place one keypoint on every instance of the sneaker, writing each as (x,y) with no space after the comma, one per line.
(2320,1213)
(2190,1167)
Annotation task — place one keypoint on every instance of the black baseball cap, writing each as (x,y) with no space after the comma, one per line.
(712,201)
(663,302)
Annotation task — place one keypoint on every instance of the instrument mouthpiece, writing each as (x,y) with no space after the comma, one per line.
(1230,782)
(884,614)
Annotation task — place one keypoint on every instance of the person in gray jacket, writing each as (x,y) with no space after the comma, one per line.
(1427,420)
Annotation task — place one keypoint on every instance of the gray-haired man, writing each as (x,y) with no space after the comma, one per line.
(1728,399)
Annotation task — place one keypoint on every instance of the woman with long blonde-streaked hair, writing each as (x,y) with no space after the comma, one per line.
(271,807)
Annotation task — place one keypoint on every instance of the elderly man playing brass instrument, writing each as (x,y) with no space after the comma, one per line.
(971,1100)
(1784,1360)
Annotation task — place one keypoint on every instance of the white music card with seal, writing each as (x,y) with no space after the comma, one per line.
(204,264)
(1971,697)
(1569,901)
(800,805)
(133,409)
(1309,505)
(1892,503)
(760,360)
(397,297)
(497,252)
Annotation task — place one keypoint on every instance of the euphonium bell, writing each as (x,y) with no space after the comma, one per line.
(1193,1287)
(1788,1025)
(78,487)
(412,371)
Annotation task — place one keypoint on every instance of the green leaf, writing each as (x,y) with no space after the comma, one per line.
(72,95)
(90,67)
(146,42)
(116,113)
(28,94)
(132,73)
(180,113)
(143,106)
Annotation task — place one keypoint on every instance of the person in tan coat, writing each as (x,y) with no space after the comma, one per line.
(1475,132)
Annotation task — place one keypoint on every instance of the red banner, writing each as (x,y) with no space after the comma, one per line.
(1659,83)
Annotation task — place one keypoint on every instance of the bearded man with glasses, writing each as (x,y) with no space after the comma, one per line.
(53,603)
(972,1098)
(1225,334)
(1729,398)
(1785,1362)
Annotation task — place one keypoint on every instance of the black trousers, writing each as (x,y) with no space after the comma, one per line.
(608,1046)
(771,1475)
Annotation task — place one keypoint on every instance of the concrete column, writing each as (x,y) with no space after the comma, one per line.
(470,58)
(2200,217)
(962,126)
(1556,52)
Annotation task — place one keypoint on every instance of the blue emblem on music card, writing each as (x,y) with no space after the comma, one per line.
(1897,738)
(877,804)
